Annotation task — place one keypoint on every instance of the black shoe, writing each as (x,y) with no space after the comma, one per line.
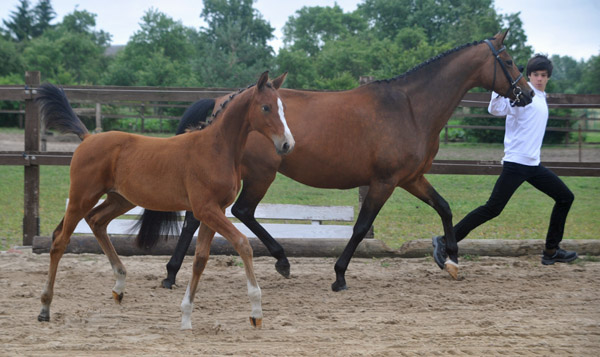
(560,256)
(439,251)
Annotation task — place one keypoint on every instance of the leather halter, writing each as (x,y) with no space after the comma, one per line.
(513,83)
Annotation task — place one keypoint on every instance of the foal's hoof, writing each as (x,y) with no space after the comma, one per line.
(118,297)
(283,268)
(452,268)
(256,322)
(337,286)
(43,317)
(167,284)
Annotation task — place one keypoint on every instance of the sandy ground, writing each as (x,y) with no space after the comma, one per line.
(394,307)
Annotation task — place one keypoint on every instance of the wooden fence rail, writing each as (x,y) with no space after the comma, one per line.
(32,157)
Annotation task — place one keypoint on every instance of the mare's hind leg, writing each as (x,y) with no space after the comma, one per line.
(422,189)
(252,193)
(60,239)
(98,219)
(215,218)
(185,239)
(376,197)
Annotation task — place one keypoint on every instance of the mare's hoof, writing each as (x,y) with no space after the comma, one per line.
(283,268)
(256,322)
(439,251)
(167,284)
(452,268)
(339,286)
(118,297)
(43,318)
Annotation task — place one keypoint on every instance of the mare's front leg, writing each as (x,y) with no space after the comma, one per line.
(422,189)
(376,197)
(216,218)
(252,193)
(190,226)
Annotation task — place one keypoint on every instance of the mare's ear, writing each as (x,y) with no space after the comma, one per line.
(262,80)
(277,82)
(502,35)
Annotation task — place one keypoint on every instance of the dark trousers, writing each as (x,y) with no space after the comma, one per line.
(512,176)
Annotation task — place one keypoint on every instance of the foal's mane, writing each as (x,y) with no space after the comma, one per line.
(222,106)
(431,61)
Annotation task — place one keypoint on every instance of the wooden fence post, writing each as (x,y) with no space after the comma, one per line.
(363,190)
(98,118)
(31,219)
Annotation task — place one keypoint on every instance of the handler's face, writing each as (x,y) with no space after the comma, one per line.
(539,79)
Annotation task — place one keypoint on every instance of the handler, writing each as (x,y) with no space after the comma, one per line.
(525,128)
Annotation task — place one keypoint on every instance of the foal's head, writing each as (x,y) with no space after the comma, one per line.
(266,113)
(503,74)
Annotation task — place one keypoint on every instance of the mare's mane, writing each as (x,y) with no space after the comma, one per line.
(430,61)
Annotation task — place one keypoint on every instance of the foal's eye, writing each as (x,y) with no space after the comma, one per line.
(265,108)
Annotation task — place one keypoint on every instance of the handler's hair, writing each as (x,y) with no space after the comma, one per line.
(539,62)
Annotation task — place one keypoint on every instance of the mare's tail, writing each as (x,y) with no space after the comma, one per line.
(153,224)
(57,112)
(195,115)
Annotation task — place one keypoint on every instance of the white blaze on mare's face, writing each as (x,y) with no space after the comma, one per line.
(288,133)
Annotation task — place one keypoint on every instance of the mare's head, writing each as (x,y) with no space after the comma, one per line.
(266,113)
(502,75)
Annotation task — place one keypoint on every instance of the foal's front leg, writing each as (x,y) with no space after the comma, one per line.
(216,218)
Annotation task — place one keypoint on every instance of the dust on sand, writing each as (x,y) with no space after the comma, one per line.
(394,307)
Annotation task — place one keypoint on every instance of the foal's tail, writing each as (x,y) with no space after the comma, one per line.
(153,224)
(57,112)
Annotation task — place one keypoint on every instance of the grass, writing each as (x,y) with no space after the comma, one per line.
(402,218)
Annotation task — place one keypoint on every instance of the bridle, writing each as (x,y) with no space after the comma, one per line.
(513,83)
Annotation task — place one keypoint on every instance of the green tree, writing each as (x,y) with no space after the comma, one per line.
(43,15)
(20,26)
(233,47)
(159,54)
(311,27)
(590,79)
(72,52)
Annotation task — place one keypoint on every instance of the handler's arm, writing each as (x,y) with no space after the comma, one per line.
(499,106)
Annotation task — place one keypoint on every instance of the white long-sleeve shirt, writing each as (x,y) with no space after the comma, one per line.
(525,127)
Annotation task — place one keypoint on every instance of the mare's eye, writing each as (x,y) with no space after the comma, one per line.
(509,62)
(265,108)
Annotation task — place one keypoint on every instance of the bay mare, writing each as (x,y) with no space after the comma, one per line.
(137,170)
(383,135)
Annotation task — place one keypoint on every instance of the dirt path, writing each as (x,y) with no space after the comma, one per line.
(394,307)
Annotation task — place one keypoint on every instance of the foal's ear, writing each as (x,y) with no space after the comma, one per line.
(277,82)
(262,80)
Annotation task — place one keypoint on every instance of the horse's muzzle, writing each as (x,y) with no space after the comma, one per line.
(524,98)
(284,145)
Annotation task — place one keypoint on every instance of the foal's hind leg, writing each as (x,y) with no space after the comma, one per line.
(422,189)
(60,239)
(98,219)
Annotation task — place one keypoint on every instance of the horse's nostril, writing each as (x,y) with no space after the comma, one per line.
(286,147)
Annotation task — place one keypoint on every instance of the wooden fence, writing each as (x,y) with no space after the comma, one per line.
(32,157)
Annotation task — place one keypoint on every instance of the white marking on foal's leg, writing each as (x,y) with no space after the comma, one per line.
(449,261)
(255,300)
(288,133)
(186,310)
(120,282)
